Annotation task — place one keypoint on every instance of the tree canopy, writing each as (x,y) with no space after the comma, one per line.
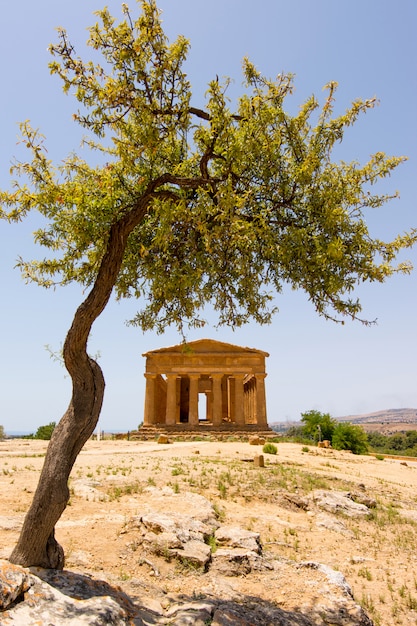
(182,207)
(217,205)
(318,426)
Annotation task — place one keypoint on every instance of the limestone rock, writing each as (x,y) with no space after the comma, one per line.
(346,611)
(363,498)
(338,502)
(236,562)
(298,502)
(235,537)
(328,522)
(162,543)
(14,581)
(176,535)
(197,613)
(88,489)
(195,553)
(183,526)
(38,602)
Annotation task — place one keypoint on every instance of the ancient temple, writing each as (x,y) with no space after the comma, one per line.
(205,382)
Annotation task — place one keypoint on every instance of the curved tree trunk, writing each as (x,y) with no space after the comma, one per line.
(37,544)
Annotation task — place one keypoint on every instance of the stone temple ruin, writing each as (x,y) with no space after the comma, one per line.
(205,385)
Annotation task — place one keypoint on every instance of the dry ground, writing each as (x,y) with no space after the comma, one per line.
(116,480)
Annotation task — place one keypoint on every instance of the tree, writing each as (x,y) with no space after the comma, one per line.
(2,435)
(398,441)
(347,436)
(318,426)
(45,432)
(377,441)
(182,206)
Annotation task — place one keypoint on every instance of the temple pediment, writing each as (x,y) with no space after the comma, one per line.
(205,346)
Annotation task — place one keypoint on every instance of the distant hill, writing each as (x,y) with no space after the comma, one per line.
(388,416)
(387,421)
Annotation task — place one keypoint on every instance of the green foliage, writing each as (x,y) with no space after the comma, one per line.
(215,206)
(269,448)
(2,433)
(212,542)
(347,436)
(404,444)
(45,432)
(342,435)
(318,426)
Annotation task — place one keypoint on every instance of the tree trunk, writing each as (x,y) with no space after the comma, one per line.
(37,544)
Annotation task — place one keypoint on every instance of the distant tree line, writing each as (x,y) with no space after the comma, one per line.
(403,444)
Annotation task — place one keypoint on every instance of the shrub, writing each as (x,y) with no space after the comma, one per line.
(45,432)
(347,436)
(270,448)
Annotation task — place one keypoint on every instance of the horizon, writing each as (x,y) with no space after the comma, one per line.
(313,363)
(112,431)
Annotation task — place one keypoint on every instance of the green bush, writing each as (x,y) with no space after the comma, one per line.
(45,432)
(347,436)
(270,448)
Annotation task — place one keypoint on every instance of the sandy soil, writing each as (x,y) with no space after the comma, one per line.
(112,481)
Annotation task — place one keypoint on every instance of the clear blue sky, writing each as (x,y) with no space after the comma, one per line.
(370,48)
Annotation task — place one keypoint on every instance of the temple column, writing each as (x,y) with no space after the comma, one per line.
(193,400)
(149,412)
(229,399)
(253,400)
(239,399)
(217,399)
(172,404)
(209,406)
(260,400)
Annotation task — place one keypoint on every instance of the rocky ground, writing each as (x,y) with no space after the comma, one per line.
(197,533)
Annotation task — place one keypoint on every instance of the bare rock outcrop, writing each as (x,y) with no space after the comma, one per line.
(65,599)
(236,537)
(338,502)
(39,597)
(298,593)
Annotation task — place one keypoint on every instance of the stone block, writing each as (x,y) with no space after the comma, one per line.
(259,460)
